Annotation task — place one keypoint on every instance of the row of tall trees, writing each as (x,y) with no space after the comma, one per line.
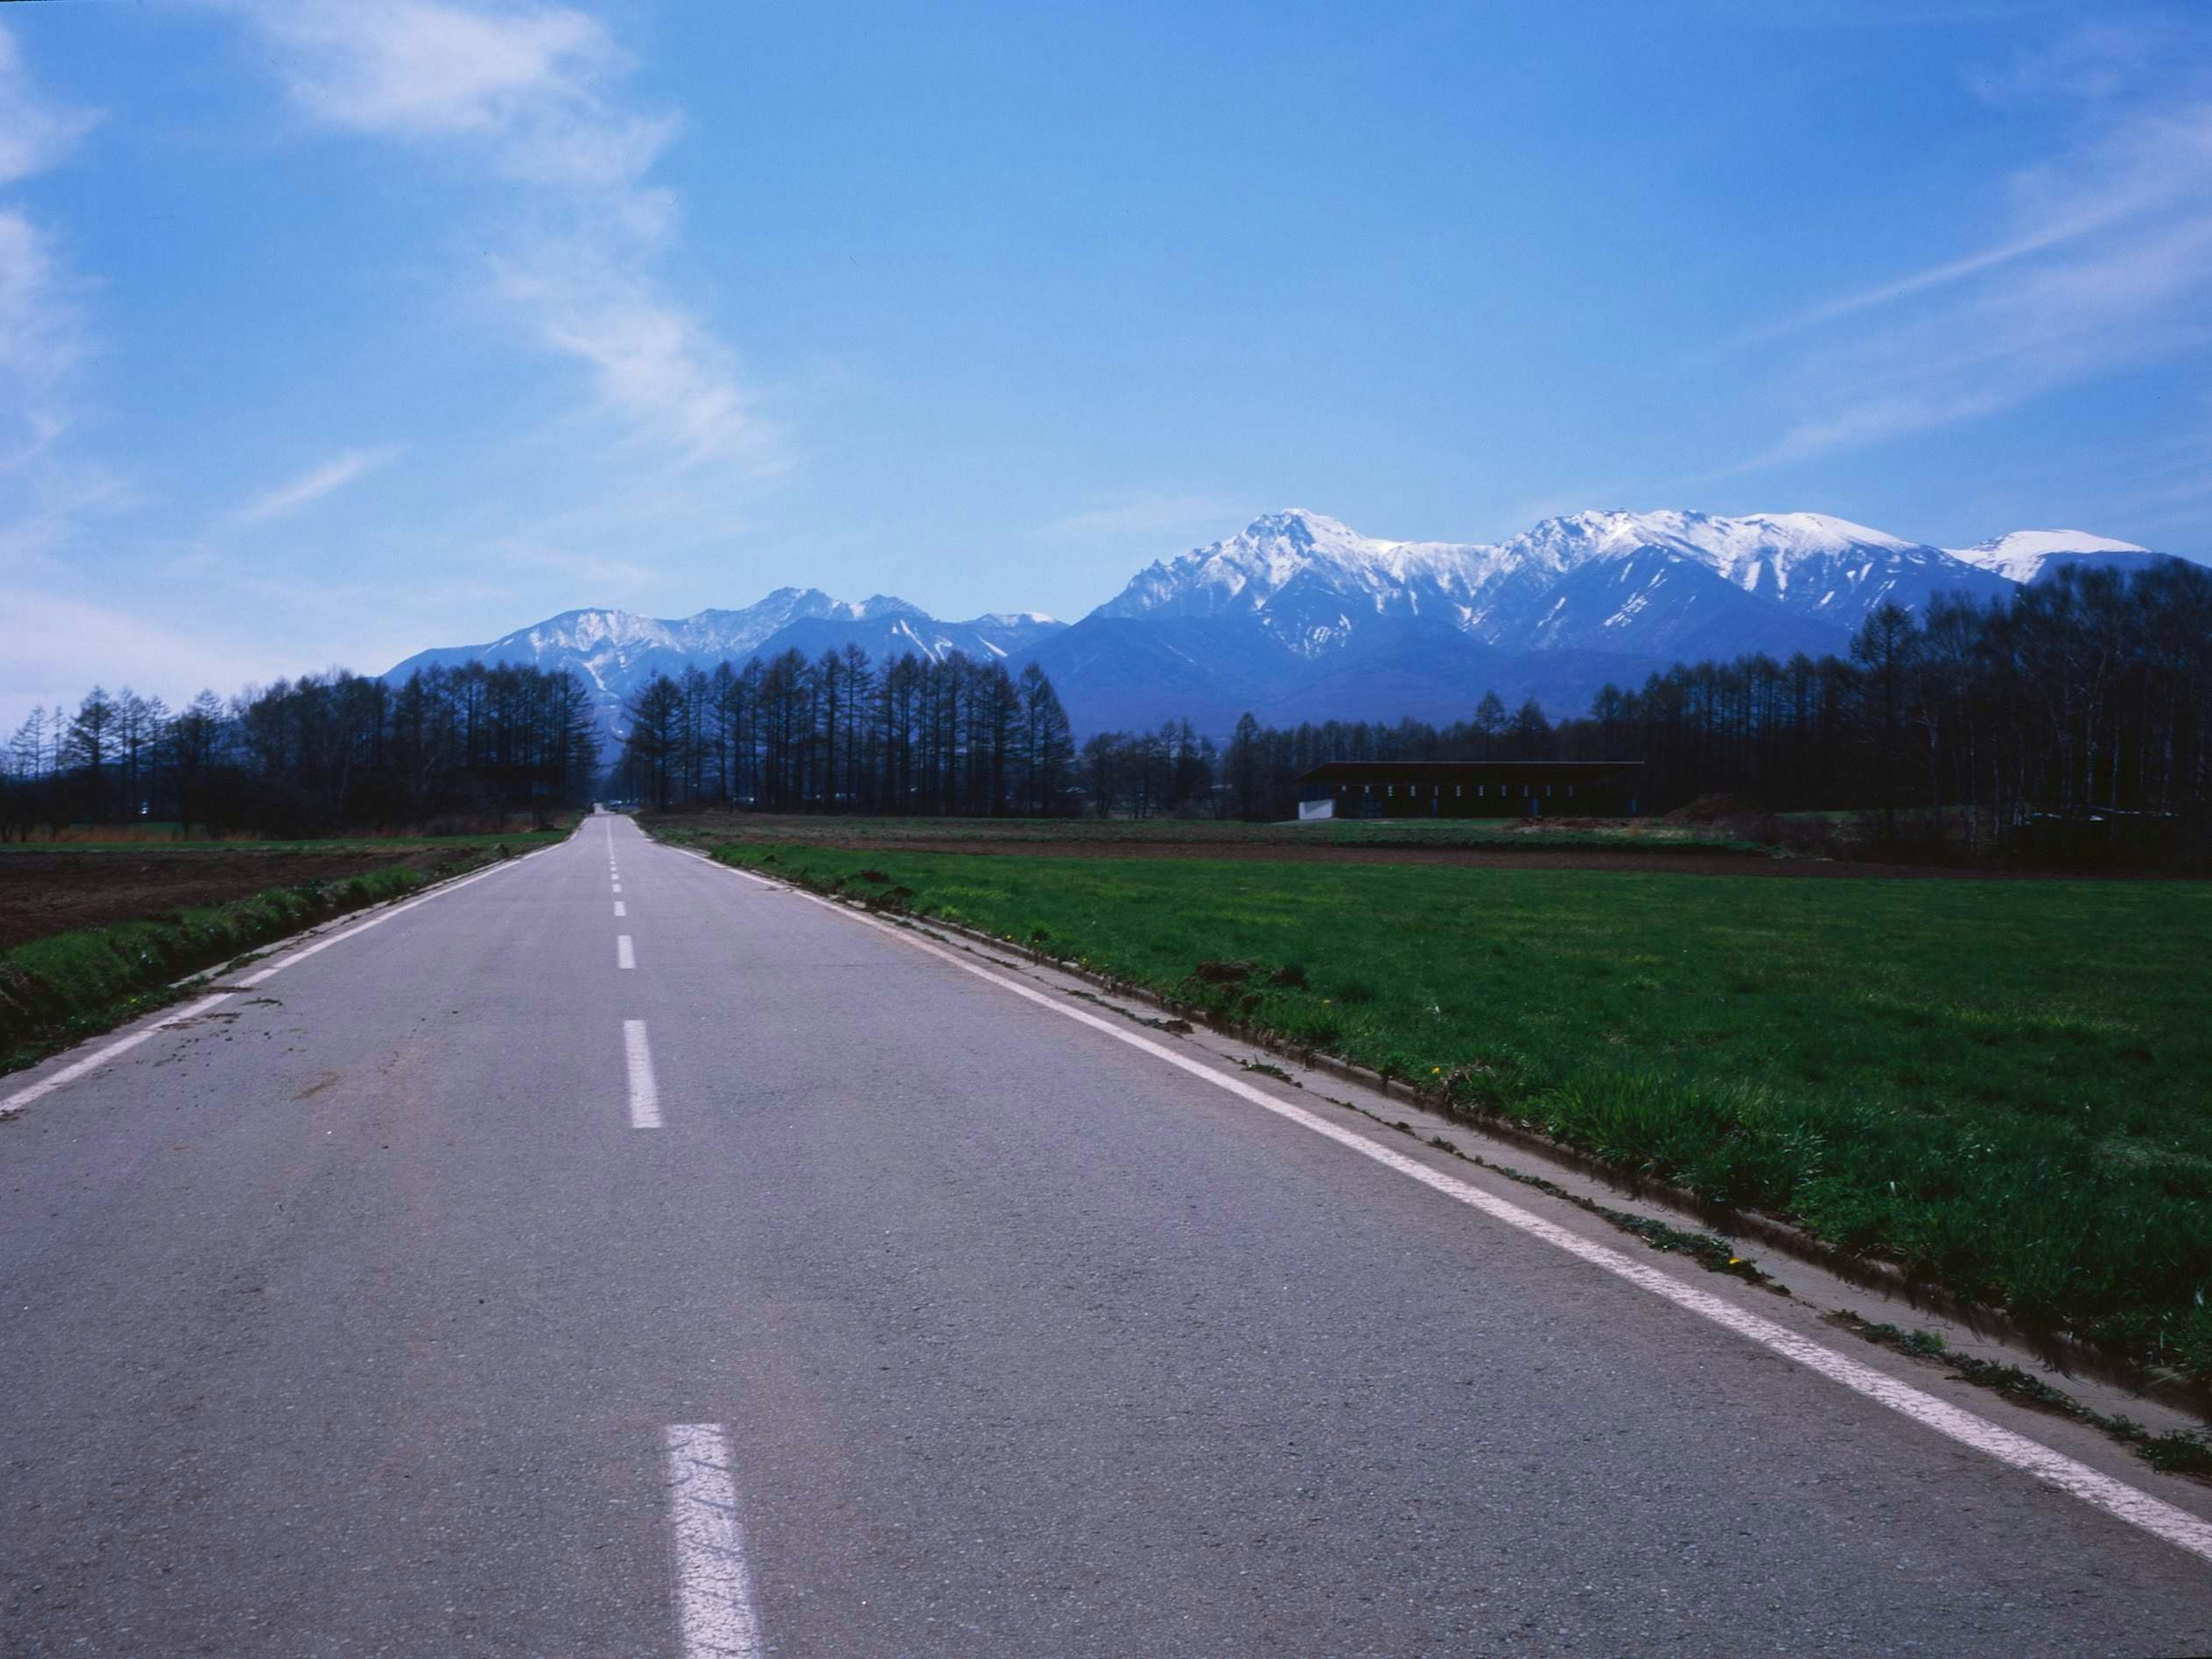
(2088,696)
(322,753)
(1262,765)
(839,734)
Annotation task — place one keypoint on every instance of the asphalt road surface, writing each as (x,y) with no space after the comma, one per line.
(614,1256)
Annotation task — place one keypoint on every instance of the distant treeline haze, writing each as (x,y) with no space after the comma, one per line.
(2086,694)
(324,753)
(2090,694)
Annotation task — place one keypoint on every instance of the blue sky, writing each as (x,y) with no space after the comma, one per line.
(330,331)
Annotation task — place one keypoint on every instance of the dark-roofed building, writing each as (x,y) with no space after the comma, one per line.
(1469,789)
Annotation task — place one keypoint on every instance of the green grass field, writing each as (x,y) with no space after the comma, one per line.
(1636,835)
(2005,1084)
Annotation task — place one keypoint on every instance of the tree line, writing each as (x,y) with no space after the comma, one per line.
(838,734)
(451,747)
(2086,697)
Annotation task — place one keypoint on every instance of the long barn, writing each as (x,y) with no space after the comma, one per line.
(1469,789)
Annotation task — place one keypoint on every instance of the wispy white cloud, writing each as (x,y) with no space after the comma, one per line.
(1155,513)
(58,647)
(2094,61)
(42,332)
(314,485)
(652,362)
(46,491)
(532,93)
(2105,264)
(42,339)
(35,132)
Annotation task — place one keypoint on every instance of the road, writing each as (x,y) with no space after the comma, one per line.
(617,1256)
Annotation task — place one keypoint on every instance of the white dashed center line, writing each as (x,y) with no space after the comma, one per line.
(714,1612)
(644,1093)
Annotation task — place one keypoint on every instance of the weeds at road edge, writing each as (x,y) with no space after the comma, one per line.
(58,991)
(2176,1451)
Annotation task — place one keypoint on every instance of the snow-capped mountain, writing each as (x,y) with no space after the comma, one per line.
(1310,579)
(2028,555)
(615,653)
(608,647)
(1307,580)
(1299,617)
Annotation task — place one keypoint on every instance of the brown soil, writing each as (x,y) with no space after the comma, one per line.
(1550,858)
(45,893)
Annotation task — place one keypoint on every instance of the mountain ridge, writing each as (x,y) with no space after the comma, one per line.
(1298,615)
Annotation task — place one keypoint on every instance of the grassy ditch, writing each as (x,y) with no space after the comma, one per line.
(2005,1087)
(60,989)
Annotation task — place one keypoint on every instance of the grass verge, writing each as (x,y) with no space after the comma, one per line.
(2176,1451)
(2000,1086)
(58,991)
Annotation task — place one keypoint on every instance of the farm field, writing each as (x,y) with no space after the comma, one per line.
(1560,843)
(47,889)
(1090,833)
(2006,1085)
(1616,844)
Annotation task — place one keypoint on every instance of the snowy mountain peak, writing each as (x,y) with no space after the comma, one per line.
(1307,575)
(615,651)
(2050,541)
(1280,544)
(1734,548)
(1298,601)
(1309,580)
(875,606)
(2022,555)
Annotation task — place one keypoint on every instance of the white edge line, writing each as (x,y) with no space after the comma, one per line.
(644,1093)
(99,1057)
(2169,1522)
(714,1612)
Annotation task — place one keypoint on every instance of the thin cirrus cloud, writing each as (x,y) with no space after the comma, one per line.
(1152,513)
(42,334)
(531,93)
(35,132)
(41,341)
(2105,264)
(312,485)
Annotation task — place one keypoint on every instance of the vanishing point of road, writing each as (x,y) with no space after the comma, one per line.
(613,1255)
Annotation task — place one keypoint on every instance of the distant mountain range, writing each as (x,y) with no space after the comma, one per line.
(1298,617)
